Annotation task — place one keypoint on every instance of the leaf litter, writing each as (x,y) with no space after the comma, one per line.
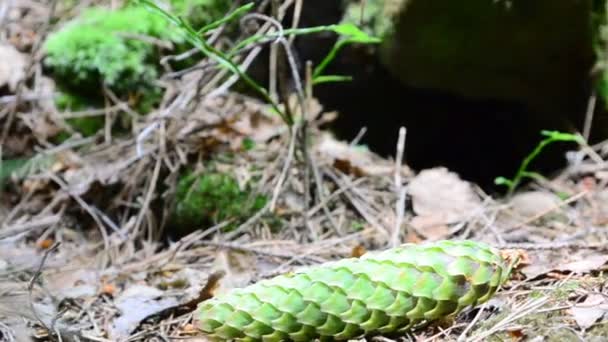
(117,277)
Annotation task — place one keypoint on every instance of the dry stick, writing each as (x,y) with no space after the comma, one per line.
(335,194)
(30,289)
(360,208)
(19,228)
(17,209)
(290,154)
(556,246)
(148,197)
(524,310)
(274,59)
(251,221)
(310,157)
(401,190)
(589,116)
(248,59)
(466,330)
(240,247)
(297,12)
(359,136)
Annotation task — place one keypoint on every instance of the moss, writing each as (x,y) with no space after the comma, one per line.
(206,199)
(110,47)
(114,48)
(103,46)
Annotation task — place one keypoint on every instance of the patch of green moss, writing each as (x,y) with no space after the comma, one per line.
(109,47)
(116,48)
(206,199)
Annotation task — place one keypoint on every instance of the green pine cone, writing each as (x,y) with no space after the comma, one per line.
(384,292)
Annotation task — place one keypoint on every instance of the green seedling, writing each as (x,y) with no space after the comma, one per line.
(349,34)
(523,170)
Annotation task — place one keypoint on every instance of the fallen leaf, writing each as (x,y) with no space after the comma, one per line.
(588,264)
(544,262)
(440,193)
(358,251)
(135,304)
(189,329)
(81,283)
(14,72)
(45,244)
(532,203)
(431,227)
(108,289)
(590,311)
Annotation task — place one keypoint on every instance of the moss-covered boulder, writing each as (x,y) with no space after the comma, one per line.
(120,48)
(539,53)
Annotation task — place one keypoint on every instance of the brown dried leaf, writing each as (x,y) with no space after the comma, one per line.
(442,194)
(137,303)
(590,311)
(431,227)
(588,264)
(532,203)
(544,262)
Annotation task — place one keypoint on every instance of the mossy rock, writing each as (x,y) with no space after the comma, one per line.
(209,198)
(538,53)
(113,47)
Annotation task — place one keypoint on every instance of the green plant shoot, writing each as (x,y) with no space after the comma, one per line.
(523,170)
(349,34)
(196,39)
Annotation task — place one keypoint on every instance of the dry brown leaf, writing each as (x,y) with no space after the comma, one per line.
(533,203)
(45,244)
(13,67)
(135,304)
(358,251)
(543,262)
(431,227)
(590,311)
(440,193)
(108,289)
(588,264)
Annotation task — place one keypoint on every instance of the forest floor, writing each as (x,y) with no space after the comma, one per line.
(83,254)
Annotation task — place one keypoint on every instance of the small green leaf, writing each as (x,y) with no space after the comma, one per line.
(331,79)
(248,144)
(354,34)
(503,181)
(561,136)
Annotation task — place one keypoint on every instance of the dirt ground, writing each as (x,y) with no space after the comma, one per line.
(84,255)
